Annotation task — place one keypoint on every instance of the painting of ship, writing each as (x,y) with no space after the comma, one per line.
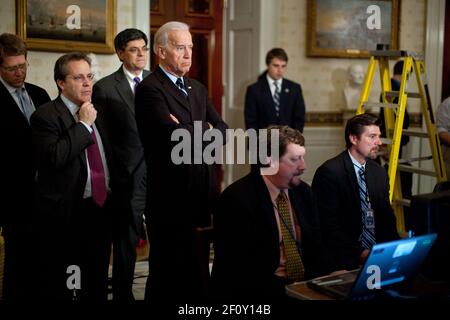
(48,19)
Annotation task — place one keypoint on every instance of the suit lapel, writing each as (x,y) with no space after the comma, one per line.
(352,179)
(298,205)
(268,97)
(12,104)
(124,90)
(266,205)
(67,120)
(170,87)
(370,180)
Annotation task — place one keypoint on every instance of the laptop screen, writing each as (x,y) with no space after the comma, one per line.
(391,263)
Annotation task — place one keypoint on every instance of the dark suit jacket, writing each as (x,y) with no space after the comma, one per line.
(156,98)
(113,95)
(335,187)
(179,196)
(247,240)
(19,168)
(59,144)
(260,108)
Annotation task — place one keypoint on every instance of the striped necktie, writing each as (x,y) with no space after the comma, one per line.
(294,265)
(181,86)
(136,81)
(276,98)
(368,234)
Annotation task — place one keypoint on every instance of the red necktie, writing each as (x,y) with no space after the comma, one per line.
(98,184)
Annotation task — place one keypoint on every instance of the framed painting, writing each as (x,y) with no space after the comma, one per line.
(67,25)
(351,28)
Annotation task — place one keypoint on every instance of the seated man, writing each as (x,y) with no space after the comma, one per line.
(352,192)
(266,230)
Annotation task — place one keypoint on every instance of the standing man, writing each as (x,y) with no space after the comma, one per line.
(266,229)
(352,193)
(115,95)
(274,99)
(19,101)
(75,184)
(179,196)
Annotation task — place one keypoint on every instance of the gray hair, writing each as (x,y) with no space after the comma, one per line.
(162,35)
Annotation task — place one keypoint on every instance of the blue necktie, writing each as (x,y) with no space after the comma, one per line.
(368,234)
(181,86)
(276,98)
(25,105)
(136,80)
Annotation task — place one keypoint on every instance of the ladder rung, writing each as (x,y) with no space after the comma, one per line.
(394,94)
(413,133)
(396,54)
(414,159)
(403,202)
(380,105)
(412,169)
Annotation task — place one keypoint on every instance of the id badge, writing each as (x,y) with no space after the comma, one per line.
(369,220)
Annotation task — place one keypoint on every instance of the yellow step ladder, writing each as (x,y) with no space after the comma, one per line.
(394,114)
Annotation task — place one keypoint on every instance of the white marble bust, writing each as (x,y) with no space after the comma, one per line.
(353,86)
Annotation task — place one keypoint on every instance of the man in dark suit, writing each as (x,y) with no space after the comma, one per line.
(75,183)
(352,193)
(114,94)
(251,259)
(19,169)
(274,99)
(179,196)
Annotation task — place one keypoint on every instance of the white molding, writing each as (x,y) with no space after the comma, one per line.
(141,19)
(434,51)
(269,29)
(434,48)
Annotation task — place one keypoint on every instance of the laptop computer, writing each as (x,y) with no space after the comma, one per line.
(389,264)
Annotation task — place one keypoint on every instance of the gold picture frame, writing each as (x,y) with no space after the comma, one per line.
(340,28)
(62,26)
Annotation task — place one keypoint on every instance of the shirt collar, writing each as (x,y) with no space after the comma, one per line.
(270,80)
(273,189)
(11,89)
(356,164)
(131,76)
(172,77)
(73,108)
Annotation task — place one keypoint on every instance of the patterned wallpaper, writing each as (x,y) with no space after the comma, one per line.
(323,79)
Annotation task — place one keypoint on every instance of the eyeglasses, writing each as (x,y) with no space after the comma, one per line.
(20,67)
(135,50)
(82,78)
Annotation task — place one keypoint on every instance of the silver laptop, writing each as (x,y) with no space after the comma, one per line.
(389,264)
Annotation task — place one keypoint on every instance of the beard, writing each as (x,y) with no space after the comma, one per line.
(373,153)
(295,181)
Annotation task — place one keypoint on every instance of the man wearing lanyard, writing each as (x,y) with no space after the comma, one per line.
(352,193)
